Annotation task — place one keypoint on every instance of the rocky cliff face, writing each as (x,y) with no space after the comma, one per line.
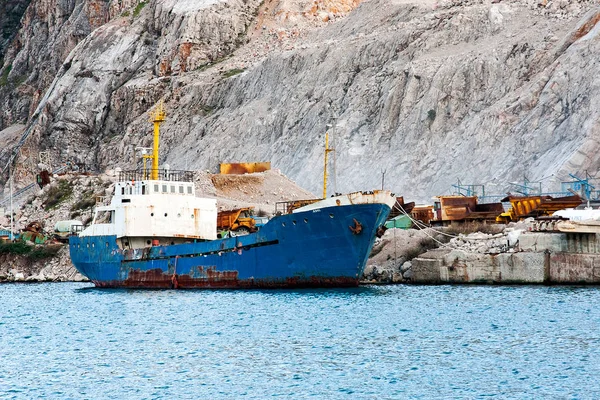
(487,92)
(10,16)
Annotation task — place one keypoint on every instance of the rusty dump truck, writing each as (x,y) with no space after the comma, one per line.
(535,206)
(422,213)
(237,222)
(447,209)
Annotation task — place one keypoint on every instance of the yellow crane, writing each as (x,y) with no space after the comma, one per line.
(157,116)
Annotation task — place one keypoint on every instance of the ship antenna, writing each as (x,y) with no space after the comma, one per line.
(157,116)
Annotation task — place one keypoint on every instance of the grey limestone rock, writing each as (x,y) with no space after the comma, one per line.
(429,91)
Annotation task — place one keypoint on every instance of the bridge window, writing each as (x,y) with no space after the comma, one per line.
(181,189)
(172,188)
(105,217)
(164,188)
(189,190)
(155,188)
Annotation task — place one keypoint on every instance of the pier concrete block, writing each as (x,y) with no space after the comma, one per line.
(551,258)
(458,266)
(575,268)
(521,267)
(541,241)
(426,268)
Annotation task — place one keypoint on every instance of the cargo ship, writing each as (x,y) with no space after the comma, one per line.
(156,233)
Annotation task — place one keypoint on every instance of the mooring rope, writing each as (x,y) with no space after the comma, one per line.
(422,227)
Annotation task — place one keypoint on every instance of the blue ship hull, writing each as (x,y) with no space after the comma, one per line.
(317,248)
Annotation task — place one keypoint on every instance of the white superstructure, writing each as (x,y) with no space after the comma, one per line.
(144,211)
(155,207)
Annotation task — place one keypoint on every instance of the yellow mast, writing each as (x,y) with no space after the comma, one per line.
(157,117)
(327,150)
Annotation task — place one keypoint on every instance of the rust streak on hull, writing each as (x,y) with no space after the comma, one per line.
(227,279)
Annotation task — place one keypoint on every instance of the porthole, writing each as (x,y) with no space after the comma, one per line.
(330,215)
(93,245)
(283,224)
(148,241)
(152,214)
(107,245)
(87,245)
(179,215)
(165,214)
(294,222)
(306,220)
(192,216)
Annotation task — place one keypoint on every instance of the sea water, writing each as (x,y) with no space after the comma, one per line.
(72,341)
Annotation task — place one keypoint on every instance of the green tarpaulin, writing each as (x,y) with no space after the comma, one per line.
(401,221)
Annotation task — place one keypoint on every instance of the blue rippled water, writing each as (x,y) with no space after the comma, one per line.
(67,340)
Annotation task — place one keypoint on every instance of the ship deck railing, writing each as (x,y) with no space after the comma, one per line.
(163,175)
(286,207)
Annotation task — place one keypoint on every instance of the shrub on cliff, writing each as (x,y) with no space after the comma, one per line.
(57,194)
(32,252)
(86,202)
(17,247)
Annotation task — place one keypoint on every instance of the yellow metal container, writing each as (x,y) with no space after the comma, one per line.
(243,168)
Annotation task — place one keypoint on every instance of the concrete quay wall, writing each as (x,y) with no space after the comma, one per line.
(544,258)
